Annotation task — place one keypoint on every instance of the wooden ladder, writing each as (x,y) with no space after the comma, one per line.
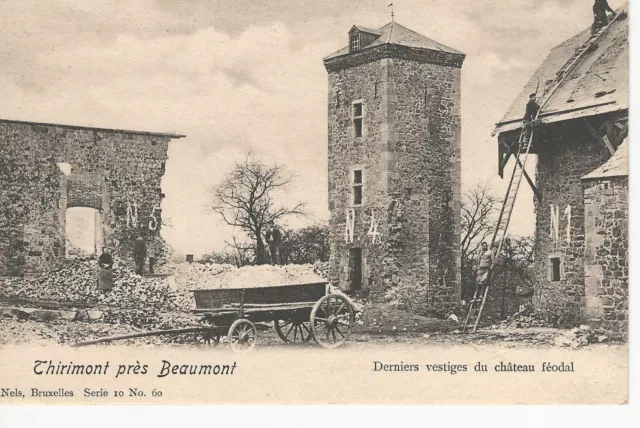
(509,201)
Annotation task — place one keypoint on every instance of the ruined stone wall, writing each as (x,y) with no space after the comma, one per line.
(410,154)
(30,183)
(116,172)
(606,253)
(563,159)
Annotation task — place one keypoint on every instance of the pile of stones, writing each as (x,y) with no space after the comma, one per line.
(580,336)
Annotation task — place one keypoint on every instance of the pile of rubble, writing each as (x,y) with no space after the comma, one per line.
(523,319)
(144,301)
(134,300)
(580,336)
(74,283)
(199,276)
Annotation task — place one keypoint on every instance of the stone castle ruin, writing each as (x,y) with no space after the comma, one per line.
(394,165)
(581,236)
(47,169)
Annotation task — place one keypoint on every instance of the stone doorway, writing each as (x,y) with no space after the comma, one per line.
(355,269)
(83,232)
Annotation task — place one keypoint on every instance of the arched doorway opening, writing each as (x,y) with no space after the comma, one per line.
(83,232)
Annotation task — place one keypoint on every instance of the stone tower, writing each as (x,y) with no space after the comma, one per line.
(394,166)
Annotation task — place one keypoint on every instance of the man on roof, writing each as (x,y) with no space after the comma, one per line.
(530,115)
(600,18)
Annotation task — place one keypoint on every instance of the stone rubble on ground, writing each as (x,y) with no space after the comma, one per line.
(137,300)
(198,276)
(522,319)
(580,336)
(75,283)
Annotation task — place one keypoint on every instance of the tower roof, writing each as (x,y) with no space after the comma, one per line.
(599,82)
(399,35)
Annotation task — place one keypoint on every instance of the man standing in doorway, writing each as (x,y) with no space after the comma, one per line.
(273,238)
(139,253)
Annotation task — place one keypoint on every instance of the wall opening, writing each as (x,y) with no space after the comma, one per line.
(357,184)
(65,168)
(555,268)
(83,232)
(357,118)
(355,269)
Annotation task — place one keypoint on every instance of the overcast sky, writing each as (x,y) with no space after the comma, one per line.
(238,76)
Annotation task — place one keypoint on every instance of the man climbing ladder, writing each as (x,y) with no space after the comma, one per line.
(521,151)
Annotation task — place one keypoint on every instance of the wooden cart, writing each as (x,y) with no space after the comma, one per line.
(298,312)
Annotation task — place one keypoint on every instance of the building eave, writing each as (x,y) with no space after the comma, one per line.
(389,50)
(560,116)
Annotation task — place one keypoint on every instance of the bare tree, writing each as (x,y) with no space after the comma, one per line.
(307,245)
(477,224)
(512,279)
(477,219)
(244,199)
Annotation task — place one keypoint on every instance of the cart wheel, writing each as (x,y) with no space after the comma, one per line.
(207,338)
(293,331)
(332,320)
(242,335)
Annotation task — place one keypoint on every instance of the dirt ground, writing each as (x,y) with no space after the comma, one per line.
(60,332)
(306,374)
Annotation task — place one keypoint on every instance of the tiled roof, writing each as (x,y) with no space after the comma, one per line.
(616,166)
(599,83)
(396,34)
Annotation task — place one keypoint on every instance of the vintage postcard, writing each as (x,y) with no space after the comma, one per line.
(307,202)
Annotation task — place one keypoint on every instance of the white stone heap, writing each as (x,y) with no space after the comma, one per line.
(197,276)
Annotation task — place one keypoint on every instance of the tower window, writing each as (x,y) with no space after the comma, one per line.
(555,268)
(354,42)
(357,118)
(357,185)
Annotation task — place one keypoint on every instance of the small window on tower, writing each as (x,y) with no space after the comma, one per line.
(357,119)
(354,42)
(555,268)
(357,184)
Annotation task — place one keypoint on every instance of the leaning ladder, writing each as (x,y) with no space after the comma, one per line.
(509,201)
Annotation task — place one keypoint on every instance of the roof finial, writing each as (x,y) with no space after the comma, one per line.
(391,6)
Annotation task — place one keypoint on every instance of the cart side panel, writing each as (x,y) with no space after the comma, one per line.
(211,299)
(285,294)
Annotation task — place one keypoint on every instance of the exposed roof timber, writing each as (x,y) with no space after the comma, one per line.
(553,117)
(616,166)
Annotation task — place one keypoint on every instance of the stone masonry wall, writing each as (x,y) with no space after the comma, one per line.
(427,120)
(606,255)
(117,172)
(410,155)
(562,160)
(369,83)
(30,188)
